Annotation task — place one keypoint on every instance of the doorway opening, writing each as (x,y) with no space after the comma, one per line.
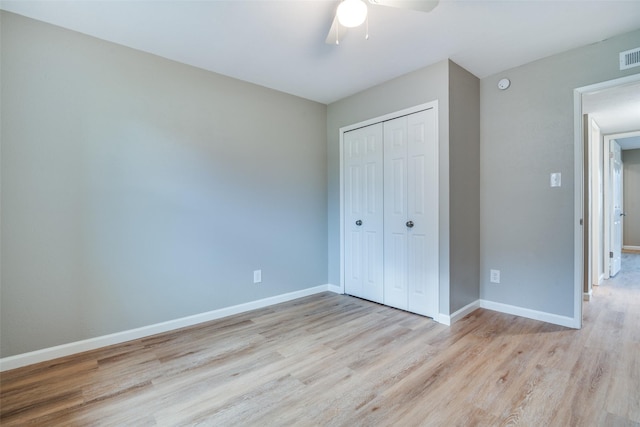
(605,113)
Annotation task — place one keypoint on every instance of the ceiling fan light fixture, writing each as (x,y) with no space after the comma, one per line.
(351,13)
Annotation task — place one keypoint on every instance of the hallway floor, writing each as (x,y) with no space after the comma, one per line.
(629,275)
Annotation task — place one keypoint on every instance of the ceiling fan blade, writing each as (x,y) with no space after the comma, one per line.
(336,32)
(421,5)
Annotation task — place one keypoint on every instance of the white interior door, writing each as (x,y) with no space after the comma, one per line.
(395,213)
(363,212)
(411,213)
(615,158)
(422,214)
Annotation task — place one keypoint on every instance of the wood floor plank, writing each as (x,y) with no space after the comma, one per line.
(132,408)
(586,393)
(626,379)
(335,360)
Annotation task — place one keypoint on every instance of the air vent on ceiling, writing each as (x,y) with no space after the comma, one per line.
(630,58)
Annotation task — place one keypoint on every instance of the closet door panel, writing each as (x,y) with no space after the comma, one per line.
(363,212)
(353,270)
(422,276)
(395,273)
(395,212)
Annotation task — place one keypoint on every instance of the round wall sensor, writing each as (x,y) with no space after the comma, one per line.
(504,84)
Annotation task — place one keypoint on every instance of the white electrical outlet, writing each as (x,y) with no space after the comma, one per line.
(257,276)
(494,276)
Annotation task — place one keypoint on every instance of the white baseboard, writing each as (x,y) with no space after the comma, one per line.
(631,248)
(443,318)
(19,360)
(335,289)
(586,296)
(543,316)
(459,314)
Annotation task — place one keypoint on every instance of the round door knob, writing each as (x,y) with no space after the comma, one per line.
(410,224)
(359,222)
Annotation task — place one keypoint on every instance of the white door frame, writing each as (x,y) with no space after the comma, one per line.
(595,160)
(578,192)
(592,217)
(390,116)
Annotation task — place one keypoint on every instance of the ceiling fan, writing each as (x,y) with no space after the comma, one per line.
(353,13)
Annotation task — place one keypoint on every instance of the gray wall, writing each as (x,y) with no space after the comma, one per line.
(527,228)
(631,183)
(464,181)
(137,190)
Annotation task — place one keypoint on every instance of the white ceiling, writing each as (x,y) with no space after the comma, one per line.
(630,143)
(280,44)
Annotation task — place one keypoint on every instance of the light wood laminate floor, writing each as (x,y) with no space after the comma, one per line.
(336,360)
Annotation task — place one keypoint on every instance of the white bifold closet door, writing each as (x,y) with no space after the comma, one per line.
(391,212)
(363,212)
(411,213)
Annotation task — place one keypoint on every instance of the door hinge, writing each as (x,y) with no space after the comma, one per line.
(610,254)
(610,155)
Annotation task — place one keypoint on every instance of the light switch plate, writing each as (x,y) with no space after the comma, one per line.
(556,179)
(257,276)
